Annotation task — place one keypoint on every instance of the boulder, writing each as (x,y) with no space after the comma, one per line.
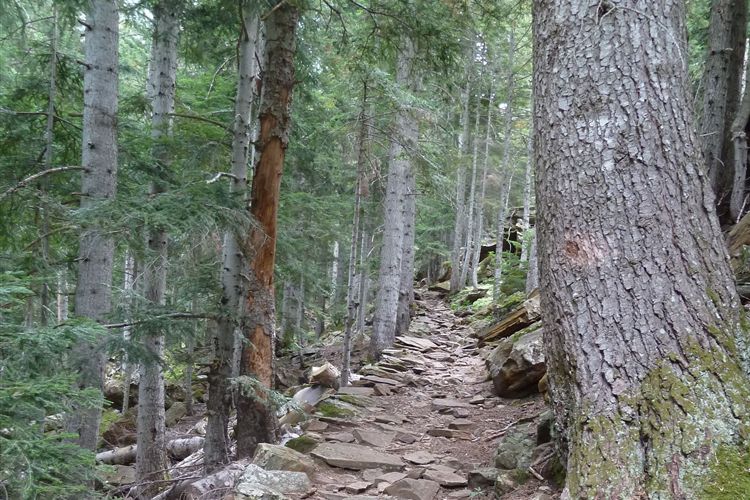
(275,457)
(516,448)
(175,413)
(413,489)
(419,457)
(356,457)
(445,476)
(122,432)
(379,439)
(505,483)
(257,483)
(482,478)
(516,367)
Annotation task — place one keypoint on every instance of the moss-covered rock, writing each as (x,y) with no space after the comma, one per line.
(304,443)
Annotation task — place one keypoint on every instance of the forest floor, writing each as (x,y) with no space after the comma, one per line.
(439,415)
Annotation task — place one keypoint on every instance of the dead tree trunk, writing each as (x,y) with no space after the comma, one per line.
(470,219)
(460,224)
(483,188)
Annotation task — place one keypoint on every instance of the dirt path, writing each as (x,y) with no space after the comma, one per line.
(425,413)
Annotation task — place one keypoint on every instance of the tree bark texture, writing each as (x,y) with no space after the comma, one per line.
(406,287)
(256,418)
(472,202)
(646,357)
(234,262)
(151,460)
(721,91)
(483,186)
(738,136)
(93,297)
(391,255)
(527,185)
(460,224)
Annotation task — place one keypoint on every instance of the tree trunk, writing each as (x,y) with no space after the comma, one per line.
(470,222)
(528,181)
(391,256)
(406,286)
(646,358)
(721,87)
(356,223)
(532,275)
(335,273)
(256,417)
(93,297)
(151,460)
(128,285)
(234,262)
(502,212)
(738,135)
(483,188)
(364,277)
(460,224)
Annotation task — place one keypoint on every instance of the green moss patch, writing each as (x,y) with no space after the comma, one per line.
(729,475)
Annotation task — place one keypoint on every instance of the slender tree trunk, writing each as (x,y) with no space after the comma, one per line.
(483,186)
(151,456)
(335,273)
(470,220)
(406,286)
(460,224)
(127,367)
(234,261)
(389,277)
(738,134)
(364,276)
(645,353)
(499,243)
(532,276)
(62,297)
(256,414)
(721,87)
(356,232)
(300,316)
(528,181)
(99,180)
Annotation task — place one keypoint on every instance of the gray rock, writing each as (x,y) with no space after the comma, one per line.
(516,367)
(482,478)
(413,489)
(515,449)
(344,437)
(504,483)
(448,403)
(379,439)
(461,424)
(390,477)
(257,483)
(175,413)
(275,457)
(445,477)
(353,456)
(357,486)
(419,457)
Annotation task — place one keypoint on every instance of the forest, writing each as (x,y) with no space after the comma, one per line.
(333,249)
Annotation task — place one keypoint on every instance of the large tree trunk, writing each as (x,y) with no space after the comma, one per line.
(646,356)
(93,297)
(234,263)
(151,460)
(256,417)
(721,87)
(470,219)
(391,256)
(460,223)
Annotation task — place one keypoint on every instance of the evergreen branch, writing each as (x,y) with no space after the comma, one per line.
(202,119)
(36,176)
(178,315)
(220,175)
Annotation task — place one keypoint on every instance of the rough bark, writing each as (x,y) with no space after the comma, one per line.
(406,286)
(721,90)
(738,136)
(234,262)
(483,188)
(460,224)
(256,418)
(93,297)
(532,275)
(391,255)
(526,217)
(127,367)
(359,190)
(646,357)
(151,460)
(364,278)
(472,202)
(500,241)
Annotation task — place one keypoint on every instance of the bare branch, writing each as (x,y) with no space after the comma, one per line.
(36,176)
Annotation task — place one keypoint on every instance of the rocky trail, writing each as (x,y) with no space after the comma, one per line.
(423,423)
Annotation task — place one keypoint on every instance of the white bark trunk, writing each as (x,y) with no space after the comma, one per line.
(460,224)
(470,222)
(528,181)
(483,187)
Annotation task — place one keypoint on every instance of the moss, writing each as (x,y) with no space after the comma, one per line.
(509,303)
(302,444)
(714,297)
(109,417)
(330,409)
(354,400)
(729,474)
(520,476)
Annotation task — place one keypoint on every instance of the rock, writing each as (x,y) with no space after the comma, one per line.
(447,403)
(544,427)
(356,391)
(382,390)
(546,462)
(419,457)
(482,478)
(460,494)
(389,419)
(445,476)
(448,433)
(257,483)
(379,439)
(516,367)
(304,443)
(357,487)
(461,424)
(315,426)
(415,473)
(515,449)
(460,413)
(372,474)
(275,457)
(504,483)
(175,413)
(122,432)
(119,474)
(374,380)
(418,343)
(343,437)
(390,477)
(406,438)
(353,456)
(413,489)
(477,400)
(309,397)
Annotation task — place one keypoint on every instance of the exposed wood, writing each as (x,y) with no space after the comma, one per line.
(517,320)
(177,448)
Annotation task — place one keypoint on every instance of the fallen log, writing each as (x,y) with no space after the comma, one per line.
(515,321)
(177,449)
(216,485)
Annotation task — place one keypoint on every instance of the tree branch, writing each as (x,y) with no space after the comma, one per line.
(178,315)
(202,119)
(36,176)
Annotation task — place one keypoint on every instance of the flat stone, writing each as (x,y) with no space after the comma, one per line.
(382,390)
(418,343)
(275,457)
(406,438)
(315,426)
(477,400)
(415,473)
(389,419)
(445,478)
(342,422)
(356,391)
(376,379)
(311,396)
(353,456)
(448,433)
(258,483)
(461,424)
(439,404)
(343,437)
(460,494)
(419,457)
(371,474)
(460,412)
(379,439)
(390,477)
(175,413)
(357,486)
(413,489)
